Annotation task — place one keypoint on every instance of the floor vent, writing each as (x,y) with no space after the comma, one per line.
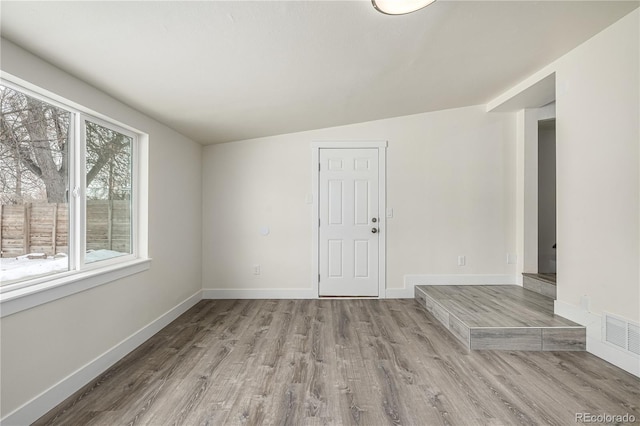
(633,339)
(622,333)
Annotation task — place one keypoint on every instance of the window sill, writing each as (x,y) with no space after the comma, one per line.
(21,299)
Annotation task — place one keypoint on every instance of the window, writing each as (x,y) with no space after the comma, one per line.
(108,192)
(34,178)
(69,186)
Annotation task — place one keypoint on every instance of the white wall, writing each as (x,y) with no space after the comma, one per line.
(43,345)
(598,187)
(450,182)
(527,191)
(597,92)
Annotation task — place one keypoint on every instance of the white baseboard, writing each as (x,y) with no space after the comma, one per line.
(283,293)
(590,320)
(41,404)
(595,342)
(400,293)
(406,292)
(411,281)
(262,293)
(613,355)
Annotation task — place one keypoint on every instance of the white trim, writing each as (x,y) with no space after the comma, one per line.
(595,343)
(615,356)
(76,171)
(259,293)
(41,404)
(400,293)
(410,281)
(547,112)
(527,191)
(25,294)
(533,100)
(337,144)
(141,176)
(382,205)
(533,92)
(527,170)
(24,298)
(459,279)
(83,118)
(576,314)
(53,98)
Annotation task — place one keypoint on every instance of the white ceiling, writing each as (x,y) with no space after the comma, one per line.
(219,71)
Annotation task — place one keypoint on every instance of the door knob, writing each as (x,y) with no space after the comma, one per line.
(374,230)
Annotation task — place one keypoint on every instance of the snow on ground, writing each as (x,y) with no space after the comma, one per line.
(16,268)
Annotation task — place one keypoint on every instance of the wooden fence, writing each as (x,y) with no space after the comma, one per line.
(44,227)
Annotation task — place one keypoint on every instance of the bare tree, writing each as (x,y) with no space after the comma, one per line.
(108,163)
(43,148)
(34,140)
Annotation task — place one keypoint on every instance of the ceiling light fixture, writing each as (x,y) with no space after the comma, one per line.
(399,7)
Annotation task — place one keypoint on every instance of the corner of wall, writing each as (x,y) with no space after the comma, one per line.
(32,410)
(596,343)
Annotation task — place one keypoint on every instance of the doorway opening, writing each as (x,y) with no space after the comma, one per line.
(547,198)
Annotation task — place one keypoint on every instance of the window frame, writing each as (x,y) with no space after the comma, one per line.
(82,180)
(30,292)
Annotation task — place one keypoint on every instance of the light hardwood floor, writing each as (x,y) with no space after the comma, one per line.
(497,305)
(503,317)
(339,362)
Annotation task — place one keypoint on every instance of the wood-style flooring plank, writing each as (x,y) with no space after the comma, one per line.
(495,306)
(338,362)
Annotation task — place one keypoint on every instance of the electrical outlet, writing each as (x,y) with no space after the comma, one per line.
(256,269)
(462,260)
(585,303)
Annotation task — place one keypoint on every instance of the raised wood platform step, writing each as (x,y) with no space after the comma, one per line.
(544,284)
(502,317)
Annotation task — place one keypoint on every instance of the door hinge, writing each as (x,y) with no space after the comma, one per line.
(318,222)
(318,277)
(318,166)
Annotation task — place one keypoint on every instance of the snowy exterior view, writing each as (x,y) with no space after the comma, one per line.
(34,178)
(34,265)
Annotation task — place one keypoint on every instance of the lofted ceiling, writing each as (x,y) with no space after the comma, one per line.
(219,71)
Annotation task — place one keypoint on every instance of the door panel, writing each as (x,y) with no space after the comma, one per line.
(335,258)
(348,249)
(362,213)
(361,255)
(335,200)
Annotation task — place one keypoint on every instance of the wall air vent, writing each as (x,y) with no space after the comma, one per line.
(633,339)
(622,333)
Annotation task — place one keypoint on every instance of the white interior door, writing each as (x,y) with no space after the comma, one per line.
(349,222)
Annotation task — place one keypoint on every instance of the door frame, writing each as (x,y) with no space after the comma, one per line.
(527,187)
(381,147)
